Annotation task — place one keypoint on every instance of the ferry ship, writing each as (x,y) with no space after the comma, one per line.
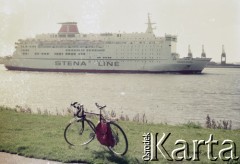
(71,51)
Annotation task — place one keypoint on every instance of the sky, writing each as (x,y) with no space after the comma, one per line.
(211,23)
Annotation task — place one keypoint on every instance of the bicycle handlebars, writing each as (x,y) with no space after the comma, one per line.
(100,107)
(80,107)
(77,106)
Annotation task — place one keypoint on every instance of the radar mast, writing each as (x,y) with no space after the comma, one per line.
(149,23)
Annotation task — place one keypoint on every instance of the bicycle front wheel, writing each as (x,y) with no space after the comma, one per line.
(79,132)
(120,138)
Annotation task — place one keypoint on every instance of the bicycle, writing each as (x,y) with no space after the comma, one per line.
(81,131)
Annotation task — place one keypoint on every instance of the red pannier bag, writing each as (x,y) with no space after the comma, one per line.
(104,134)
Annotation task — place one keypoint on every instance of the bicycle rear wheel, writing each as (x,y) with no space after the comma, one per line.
(121,142)
(79,132)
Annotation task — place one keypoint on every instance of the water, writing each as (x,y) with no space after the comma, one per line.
(164,98)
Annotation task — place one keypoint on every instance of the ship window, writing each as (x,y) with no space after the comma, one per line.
(62,36)
(168,38)
(71,35)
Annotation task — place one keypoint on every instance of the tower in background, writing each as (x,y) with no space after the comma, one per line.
(203,55)
(223,56)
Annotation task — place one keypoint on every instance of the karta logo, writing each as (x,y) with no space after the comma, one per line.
(153,146)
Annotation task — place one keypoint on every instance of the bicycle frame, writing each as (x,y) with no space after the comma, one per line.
(83,118)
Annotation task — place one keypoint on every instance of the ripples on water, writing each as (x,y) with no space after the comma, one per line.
(166,98)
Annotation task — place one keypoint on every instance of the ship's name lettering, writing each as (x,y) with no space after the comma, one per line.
(108,63)
(70,63)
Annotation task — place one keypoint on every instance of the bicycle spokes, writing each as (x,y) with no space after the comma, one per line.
(91,135)
(115,136)
(121,144)
(81,131)
(75,134)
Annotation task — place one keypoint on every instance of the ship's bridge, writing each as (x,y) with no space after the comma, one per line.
(169,37)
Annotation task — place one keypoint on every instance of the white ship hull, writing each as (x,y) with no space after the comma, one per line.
(109,66)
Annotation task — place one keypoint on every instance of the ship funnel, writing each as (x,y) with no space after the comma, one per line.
(223,56)
(203,55)
(189,52)
(68,29)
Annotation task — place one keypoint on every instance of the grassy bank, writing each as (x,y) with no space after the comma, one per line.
(41,136)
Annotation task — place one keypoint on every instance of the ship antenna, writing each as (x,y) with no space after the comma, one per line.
(189,52)
(149,28)
(203,53)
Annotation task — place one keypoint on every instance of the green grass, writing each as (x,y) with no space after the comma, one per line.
(41,136)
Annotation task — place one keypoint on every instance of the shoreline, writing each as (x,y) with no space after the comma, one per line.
(222,66)
(137,117)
